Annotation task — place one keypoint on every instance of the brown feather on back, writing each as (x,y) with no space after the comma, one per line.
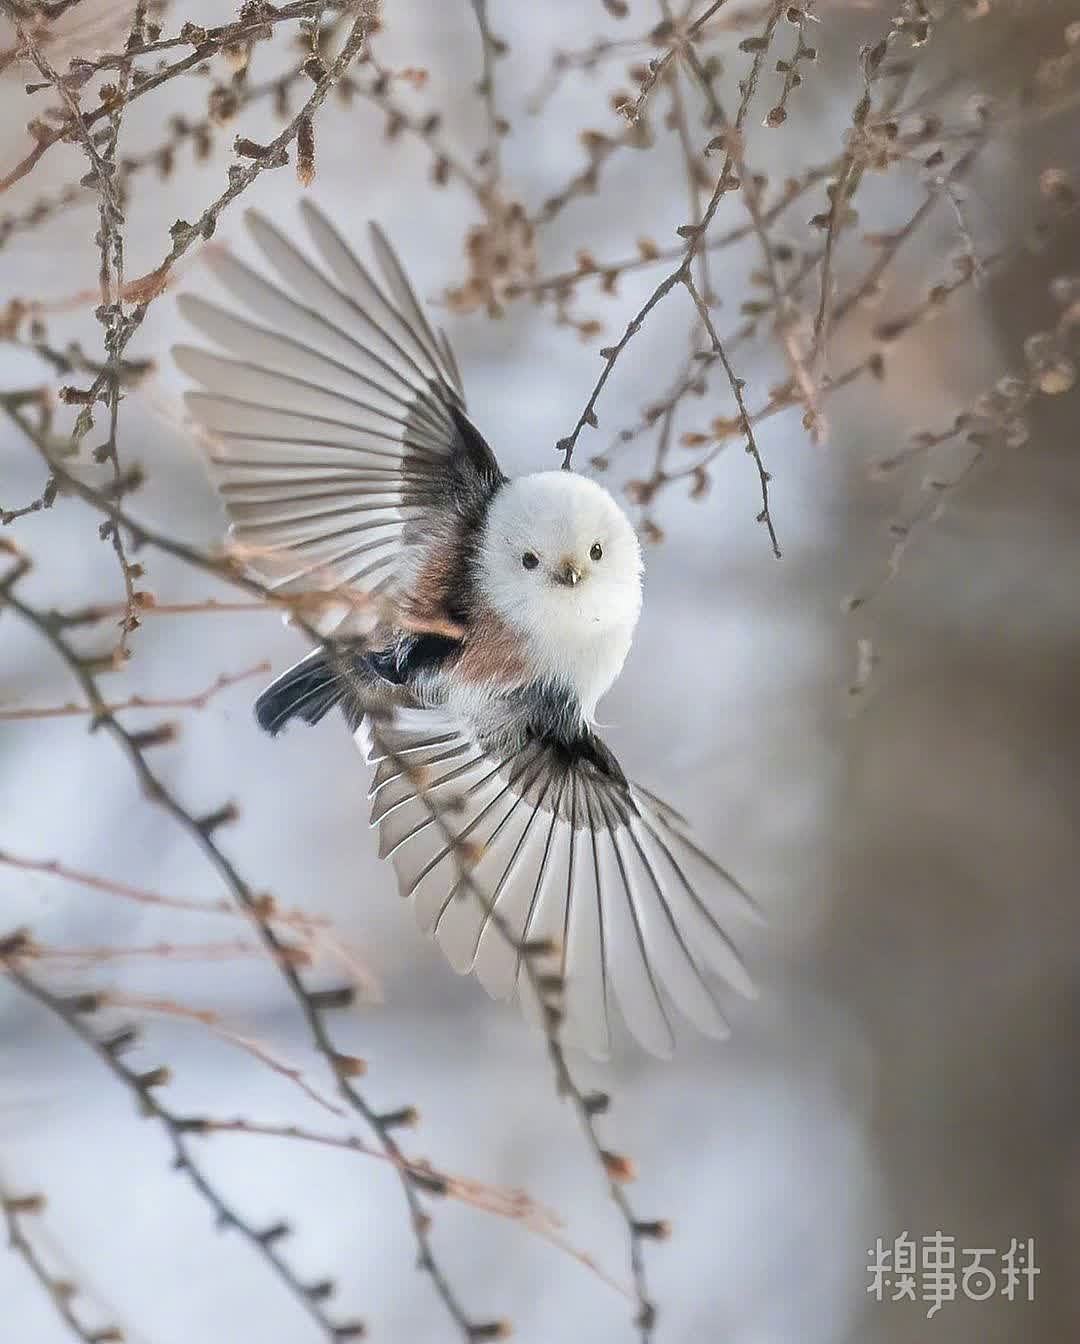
(491,652)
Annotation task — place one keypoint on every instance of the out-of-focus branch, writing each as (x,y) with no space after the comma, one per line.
(695,235)
(864,148)
(491,49)
(101,156)
(514,1205)
(648,254)
(999,416)
(205,43)
(313,1004)
(197,701)
(735,383)
(18,1211)
(74,1013)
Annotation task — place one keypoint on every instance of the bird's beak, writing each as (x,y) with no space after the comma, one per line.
(567,574)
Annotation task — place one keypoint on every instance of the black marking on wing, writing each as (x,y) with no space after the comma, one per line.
(311,688)
(410,657)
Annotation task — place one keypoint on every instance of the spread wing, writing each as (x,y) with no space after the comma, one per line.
(561,845)
(337,416)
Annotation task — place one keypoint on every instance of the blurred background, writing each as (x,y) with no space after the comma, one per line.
(897,784)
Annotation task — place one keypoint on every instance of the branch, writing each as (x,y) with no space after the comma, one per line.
(72,1013)
(736,385)
(17,1210)
(695,235)
(513,1205)
(492,48)
(313,1004)
(197,701)
(46,137)
(110,239)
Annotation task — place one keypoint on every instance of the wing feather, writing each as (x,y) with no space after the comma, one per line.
(633,975)
(558,846)
(335,412)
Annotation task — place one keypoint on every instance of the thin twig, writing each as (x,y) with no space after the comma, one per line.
(491,48)
(17,1210)
(72,1012)
(198,701)
(313,1004)
(736,384)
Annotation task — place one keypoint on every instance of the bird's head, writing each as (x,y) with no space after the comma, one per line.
(559,559)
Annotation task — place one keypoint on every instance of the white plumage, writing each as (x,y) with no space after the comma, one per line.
(345,457)
(579,634)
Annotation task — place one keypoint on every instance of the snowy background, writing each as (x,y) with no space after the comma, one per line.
(910,1065)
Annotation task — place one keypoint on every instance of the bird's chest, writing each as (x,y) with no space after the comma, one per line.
(584,659)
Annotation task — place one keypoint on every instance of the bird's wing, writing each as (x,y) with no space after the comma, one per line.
(558,844)
(337,419)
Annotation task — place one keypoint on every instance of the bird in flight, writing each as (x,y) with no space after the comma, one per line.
(342,448)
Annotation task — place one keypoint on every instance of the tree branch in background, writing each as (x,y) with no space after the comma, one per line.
(313,1004)
(19,1210)
(534,958)
(73,1012)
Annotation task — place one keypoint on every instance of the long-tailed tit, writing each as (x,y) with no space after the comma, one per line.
(342,447)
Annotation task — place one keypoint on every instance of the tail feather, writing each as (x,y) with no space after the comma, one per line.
(308,691)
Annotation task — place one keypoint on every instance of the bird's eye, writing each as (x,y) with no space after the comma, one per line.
(597,552)
(530,559)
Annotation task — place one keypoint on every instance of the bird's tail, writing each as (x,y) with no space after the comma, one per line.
(308,691)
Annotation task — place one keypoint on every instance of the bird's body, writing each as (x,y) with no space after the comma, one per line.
(347,462)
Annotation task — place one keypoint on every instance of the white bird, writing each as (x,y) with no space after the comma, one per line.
(342,448)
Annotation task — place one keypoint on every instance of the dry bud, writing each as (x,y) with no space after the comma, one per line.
(275,1232)
(305,152)
(350,1330)
(596,1103)
(17,944)
(327,1000)
(350,1065)
(619,1167)
(223,816)
(25,1204)
(159,1077)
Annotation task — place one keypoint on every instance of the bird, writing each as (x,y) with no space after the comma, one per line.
(338,436)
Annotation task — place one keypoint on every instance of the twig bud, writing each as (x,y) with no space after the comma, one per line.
(619,1167)
(595,1103)
(350,1065)
(427,1181)
(25,1204)
(121,1040)
(17,944)
(350,1330)
(326,1000)
(225,814)
(485,1330)
(305,151)
(152,1078)
(160,736)
(407,1117)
